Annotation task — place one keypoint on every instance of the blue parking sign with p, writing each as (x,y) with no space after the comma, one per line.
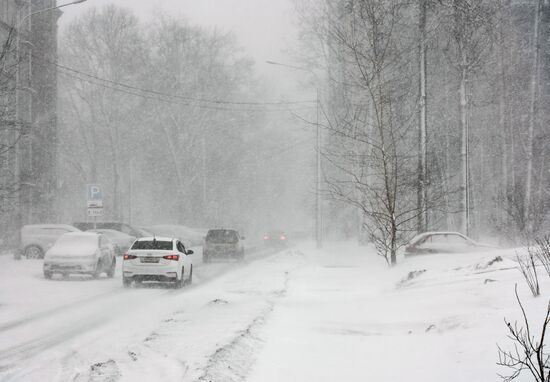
(94,192)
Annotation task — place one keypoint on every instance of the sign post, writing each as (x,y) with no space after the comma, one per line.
(95,201)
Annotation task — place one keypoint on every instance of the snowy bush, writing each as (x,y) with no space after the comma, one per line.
(528,268)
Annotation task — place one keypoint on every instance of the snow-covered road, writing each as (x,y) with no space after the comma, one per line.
(84,329)
(292,315)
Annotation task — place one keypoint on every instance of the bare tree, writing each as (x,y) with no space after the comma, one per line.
(103,43)
(542,252)
(529,349)
(143,104)
(533,114)
(372,136)
(471,34)
(10,134)
(528,269)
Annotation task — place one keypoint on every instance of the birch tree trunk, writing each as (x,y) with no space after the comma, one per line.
(463,105)
(533,109)
(461,20)
(422,224)
(503,110)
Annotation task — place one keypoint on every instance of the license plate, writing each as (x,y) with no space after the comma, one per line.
(149,259)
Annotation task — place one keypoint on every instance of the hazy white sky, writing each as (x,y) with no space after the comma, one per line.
(265,28)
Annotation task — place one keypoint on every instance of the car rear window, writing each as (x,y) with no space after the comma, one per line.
(153,244)
(222,236)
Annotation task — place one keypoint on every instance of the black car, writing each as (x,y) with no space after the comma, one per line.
(223,243)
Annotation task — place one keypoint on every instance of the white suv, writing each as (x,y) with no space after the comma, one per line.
(159,259)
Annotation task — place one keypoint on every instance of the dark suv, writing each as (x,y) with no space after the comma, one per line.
(223,243)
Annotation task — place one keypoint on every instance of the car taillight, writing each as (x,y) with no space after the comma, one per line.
(171,257)
(283,237)
(129,257)
(266,237)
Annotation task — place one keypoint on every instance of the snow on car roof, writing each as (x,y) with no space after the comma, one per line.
(67,226)
(430,233)
(157,238)
(107,230)
(80,233)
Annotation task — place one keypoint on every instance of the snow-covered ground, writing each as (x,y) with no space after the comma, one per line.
(431,318)
(293,315)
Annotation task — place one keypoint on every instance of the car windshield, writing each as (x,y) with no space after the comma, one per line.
(163,245)
(86,243)
(222,236)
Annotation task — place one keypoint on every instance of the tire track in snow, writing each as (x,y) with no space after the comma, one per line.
(233,362)
(12,357)
(13,360)
(55,310)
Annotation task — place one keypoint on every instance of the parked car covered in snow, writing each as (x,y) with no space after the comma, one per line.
(120,240)
(442,242)
(117,226)
(223,243)
(36,239)
(80,253)
(161,259)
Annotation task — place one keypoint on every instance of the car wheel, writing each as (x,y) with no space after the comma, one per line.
(190,278)
(179,283)
(126,282)
(111,271)
(97,271)
(47,275)
(34,252)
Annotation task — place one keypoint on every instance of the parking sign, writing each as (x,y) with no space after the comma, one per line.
(94,196)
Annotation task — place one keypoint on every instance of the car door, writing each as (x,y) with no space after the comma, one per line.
(183,254)
(106,250)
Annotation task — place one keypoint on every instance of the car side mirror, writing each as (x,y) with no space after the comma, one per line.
(190,252)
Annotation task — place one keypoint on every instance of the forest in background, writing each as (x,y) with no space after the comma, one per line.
(435,116)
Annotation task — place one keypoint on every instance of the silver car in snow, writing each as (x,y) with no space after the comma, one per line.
(36,239)
(81,253)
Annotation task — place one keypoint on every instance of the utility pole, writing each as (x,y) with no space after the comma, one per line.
(130,191)
(318,169)
(318,206)
(203,154)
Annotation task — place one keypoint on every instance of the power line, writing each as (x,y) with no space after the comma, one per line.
(168,95)
(166,99)
(175,102)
